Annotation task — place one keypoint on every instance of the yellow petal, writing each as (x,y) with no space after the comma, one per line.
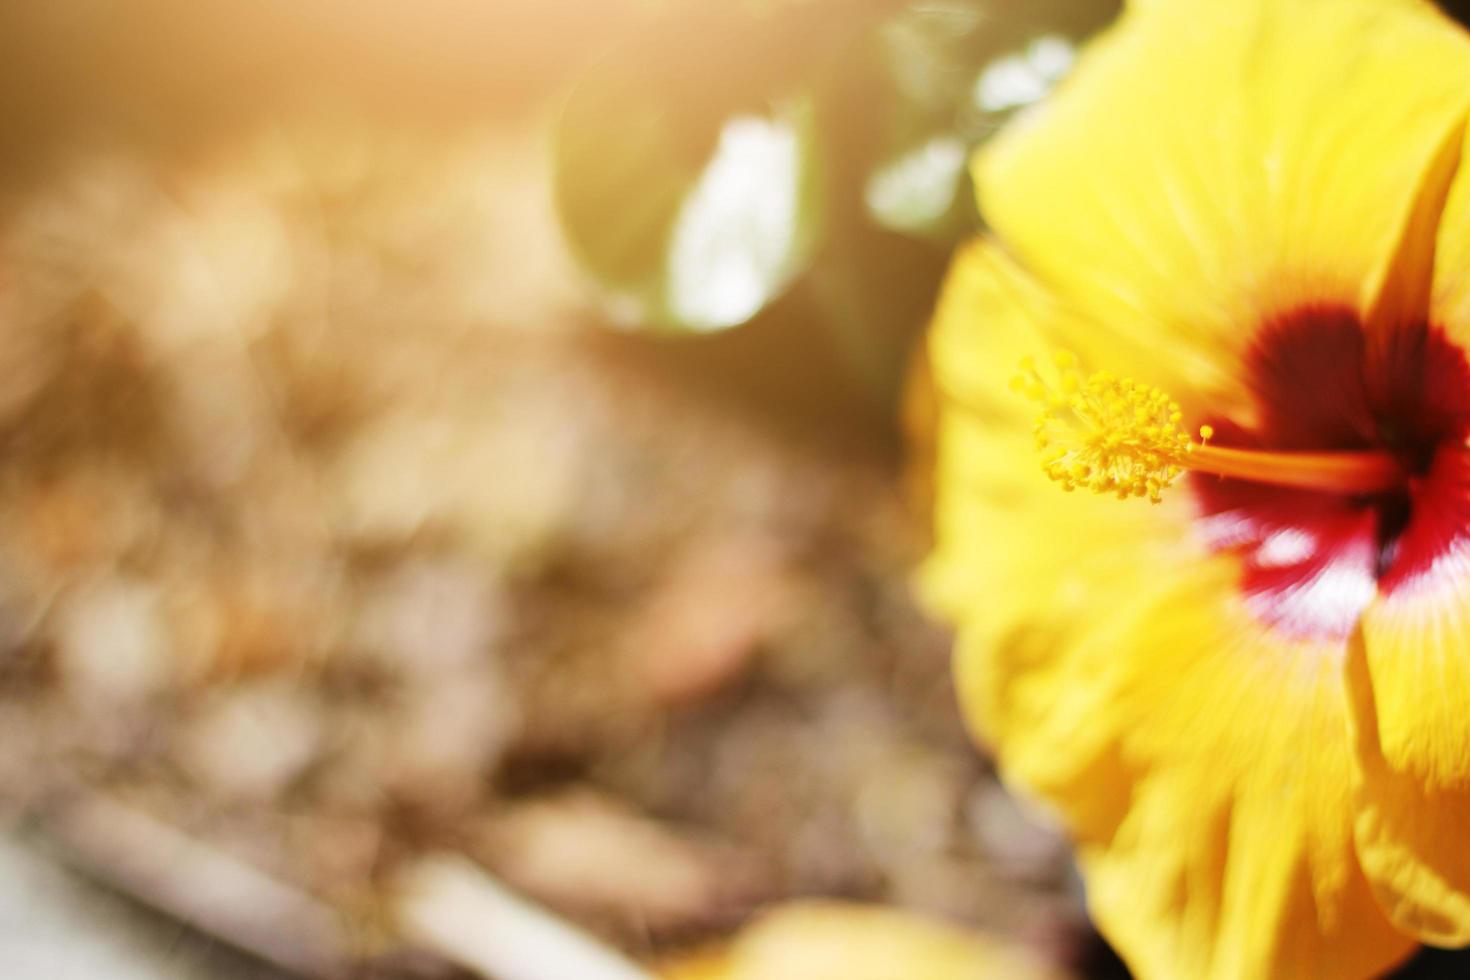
(842,941)
(1203,766)
(1024,567)
(703,964)
(1410,686)
(1210,163)
(1450,306)
(986,568)
(1412,732)
(1235,857)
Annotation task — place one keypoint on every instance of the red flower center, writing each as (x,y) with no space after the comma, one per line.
(1314,559)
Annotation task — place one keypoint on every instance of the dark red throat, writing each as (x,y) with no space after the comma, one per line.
(1314,559)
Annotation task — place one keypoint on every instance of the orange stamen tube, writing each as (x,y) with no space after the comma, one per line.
(1343,472)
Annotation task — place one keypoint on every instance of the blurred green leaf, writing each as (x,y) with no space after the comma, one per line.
(1023,77)
(748,225)
(701,245)
(964,66)
(688,164)
(919,191)
(958,70)
(933,48)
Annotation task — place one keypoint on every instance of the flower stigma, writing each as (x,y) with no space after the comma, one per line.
(1123,437)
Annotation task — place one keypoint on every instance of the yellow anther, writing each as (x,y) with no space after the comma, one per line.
(1104,433)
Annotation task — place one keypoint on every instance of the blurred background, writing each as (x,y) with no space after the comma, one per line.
(458,450)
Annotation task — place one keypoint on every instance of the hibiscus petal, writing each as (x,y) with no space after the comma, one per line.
(1026,589)
(1411,832)
(1214,163)
(1410,693)
(1410,679)
(1233,858)
(1450,303)
(990,316)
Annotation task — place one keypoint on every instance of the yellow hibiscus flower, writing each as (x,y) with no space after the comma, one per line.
(1250,703)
